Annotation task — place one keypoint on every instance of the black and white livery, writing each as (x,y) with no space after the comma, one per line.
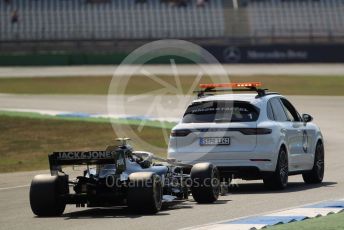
(120,176)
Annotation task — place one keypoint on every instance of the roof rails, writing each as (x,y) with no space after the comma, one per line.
(232,87)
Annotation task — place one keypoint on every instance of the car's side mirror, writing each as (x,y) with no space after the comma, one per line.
(307,118)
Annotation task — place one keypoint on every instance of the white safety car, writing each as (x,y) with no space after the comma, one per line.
(250,136)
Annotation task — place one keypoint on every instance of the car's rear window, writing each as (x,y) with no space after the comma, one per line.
(220,111)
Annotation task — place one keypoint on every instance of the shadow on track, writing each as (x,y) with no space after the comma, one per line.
(124,212)
(218,202)
(101,213)
(259,188)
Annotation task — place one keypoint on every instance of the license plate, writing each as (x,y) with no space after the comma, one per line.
(215,141)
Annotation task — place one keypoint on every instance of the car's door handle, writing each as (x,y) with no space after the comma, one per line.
(283,130)
(299,131)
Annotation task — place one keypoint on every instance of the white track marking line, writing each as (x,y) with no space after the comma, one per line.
(14,187)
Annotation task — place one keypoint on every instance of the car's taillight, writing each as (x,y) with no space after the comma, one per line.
(180,132)
(255,131)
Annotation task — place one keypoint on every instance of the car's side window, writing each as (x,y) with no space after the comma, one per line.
(278,111)
(270,112)
(291,112)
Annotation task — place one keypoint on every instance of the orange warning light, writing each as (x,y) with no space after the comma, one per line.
(231,85)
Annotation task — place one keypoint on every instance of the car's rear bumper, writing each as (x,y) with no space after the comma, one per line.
(244,172)
(244,164)
(250,169)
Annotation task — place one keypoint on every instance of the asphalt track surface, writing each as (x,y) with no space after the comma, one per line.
(249,198)
(232,69)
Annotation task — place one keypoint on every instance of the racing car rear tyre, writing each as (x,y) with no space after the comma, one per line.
(205,183)
(279,178)
(45,195)
(145,192)
(316,175)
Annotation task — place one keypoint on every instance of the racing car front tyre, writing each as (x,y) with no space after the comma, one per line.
(316,175)
(205,186)
(145,192)
(278,179)
(45,195)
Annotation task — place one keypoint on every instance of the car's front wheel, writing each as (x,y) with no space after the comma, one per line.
(279,178)
(145,192)
(316,175)
(205,187)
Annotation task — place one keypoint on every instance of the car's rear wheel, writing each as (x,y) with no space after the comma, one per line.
(205,183)
(316,175)
(279,178)
(145,192)
(45,195)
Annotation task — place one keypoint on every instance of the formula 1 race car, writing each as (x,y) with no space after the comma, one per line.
(120,176)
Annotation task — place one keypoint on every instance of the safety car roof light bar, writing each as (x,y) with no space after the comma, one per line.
(230,87)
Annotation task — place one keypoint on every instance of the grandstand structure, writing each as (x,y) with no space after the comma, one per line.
(113,19)
(302,18)
(106,20)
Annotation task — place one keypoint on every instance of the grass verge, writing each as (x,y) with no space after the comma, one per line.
(119,121)
(26,142)
(289,85)
(330,222)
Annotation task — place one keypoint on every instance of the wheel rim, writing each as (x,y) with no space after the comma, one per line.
(320,162)
(283,165)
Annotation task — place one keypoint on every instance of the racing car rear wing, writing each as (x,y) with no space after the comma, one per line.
(58,159)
